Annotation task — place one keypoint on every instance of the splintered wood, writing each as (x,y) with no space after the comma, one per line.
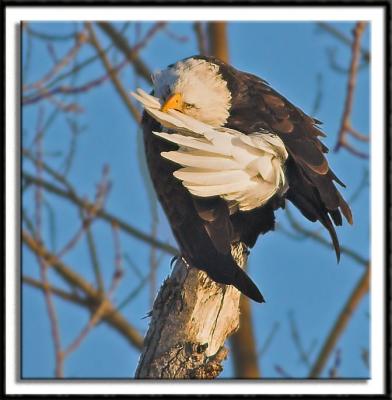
(191,319)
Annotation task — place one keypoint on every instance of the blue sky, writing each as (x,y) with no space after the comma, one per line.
(298,277)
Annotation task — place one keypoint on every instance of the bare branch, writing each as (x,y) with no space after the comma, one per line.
(320,239)
(88,217)
(93,296)
(268,341)
(175,36)
(113,75)
(304,355)
(105,305)
(43,267)
(342,37)
(245,360)
(92,248)
(218,40)
(201,38)
(70,297)
(132,55)
(105,215)
(80,39)
(45,93)
(48,37)
(345,127)
(333,372)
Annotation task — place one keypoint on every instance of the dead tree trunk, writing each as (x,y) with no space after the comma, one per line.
(191,319)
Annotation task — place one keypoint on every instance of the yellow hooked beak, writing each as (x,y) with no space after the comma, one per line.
(174,102)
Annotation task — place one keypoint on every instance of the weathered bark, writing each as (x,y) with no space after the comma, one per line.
(191,319)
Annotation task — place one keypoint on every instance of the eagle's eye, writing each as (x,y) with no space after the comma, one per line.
(189,106)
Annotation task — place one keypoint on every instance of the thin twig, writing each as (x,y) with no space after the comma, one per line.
(52,314)
(320,239)
(200,38)
(63,106)
(113,75)
(92,248)
(130,53)
(70,155)
(56,175)
(105,305)
(82,65)
(364,183)
(153,259)
(333,372)
(345,126)
(96,317)
(342,37)
(358,135)
(89,216)
(120,42)
(68,90)
(304,356)
(175,36)
(268,340)
(243,344)
(48,37)
(118,261)
(105,215)
(282,372)
(319,95)
(67,296)
(26,54)
(94,297)
(62,63)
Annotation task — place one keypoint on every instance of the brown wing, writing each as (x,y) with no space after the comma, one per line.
(256,106)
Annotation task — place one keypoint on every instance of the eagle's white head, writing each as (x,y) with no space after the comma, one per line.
(196,88)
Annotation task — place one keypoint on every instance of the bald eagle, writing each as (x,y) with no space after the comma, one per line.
(224,151)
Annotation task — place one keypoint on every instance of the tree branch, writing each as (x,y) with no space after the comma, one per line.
(345,126)
(218,41)
(342,37)
(121,43)
(92,298)
(113,75)
(243,347)
(315,235)
(200,37)
(105,215)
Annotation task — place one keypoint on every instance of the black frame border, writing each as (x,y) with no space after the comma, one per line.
(386,5)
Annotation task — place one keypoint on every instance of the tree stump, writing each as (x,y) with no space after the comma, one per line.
(191,319)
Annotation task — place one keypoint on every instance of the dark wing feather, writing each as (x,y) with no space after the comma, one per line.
(215,215)
(202,227)
(256,106)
